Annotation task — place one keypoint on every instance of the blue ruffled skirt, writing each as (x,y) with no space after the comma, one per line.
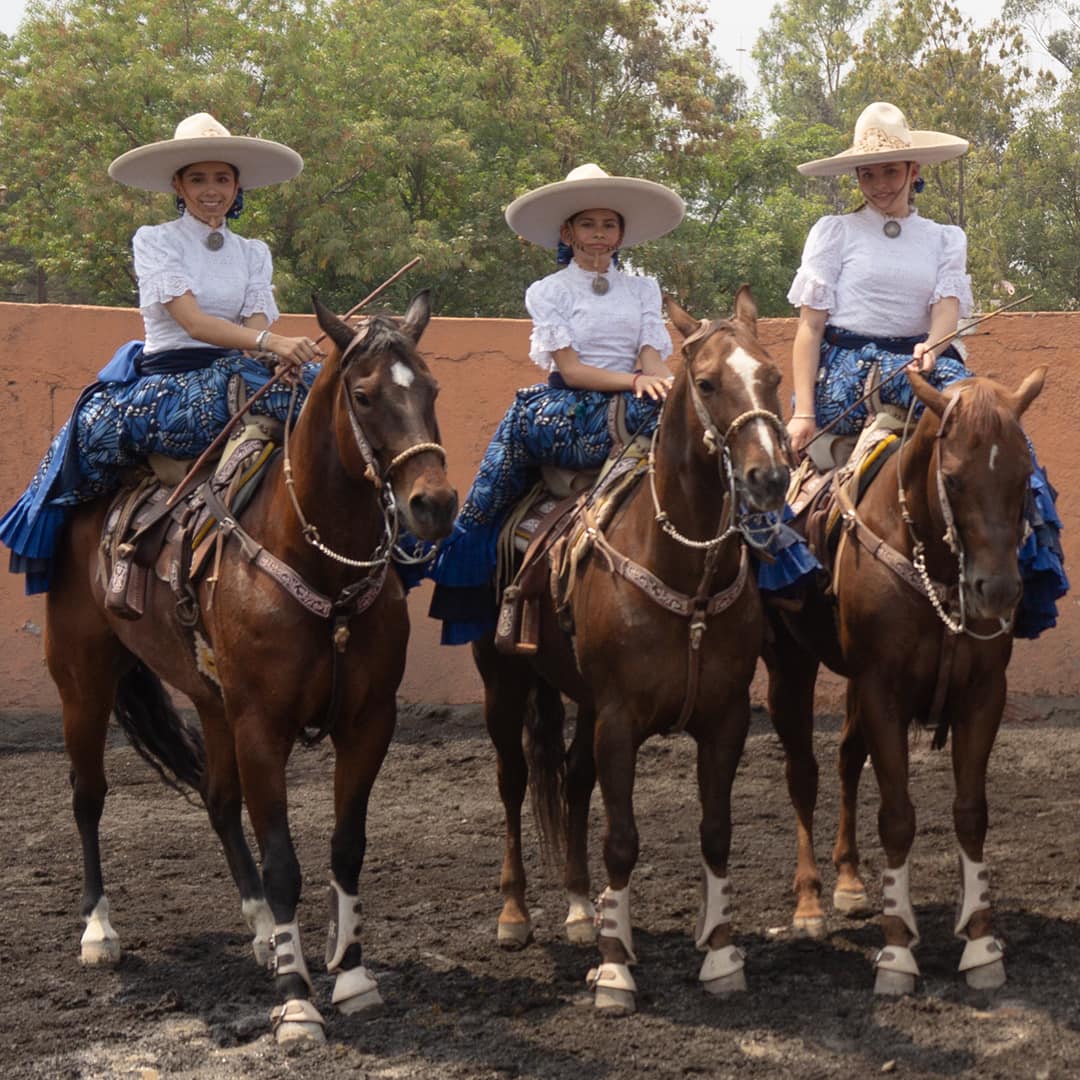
(114,425)
(841,381)
(548,425)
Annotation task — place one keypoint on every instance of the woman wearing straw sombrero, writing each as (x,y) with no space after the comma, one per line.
(207,303)
(876,288)
(597,332)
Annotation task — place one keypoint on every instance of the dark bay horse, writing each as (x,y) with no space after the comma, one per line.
(306,626)
(667,628)
(926,586)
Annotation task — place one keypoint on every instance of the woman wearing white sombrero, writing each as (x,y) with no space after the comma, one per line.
(875,289)
(597,331)
(207,303)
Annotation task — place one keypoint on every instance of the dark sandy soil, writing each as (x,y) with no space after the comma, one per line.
(189,1001)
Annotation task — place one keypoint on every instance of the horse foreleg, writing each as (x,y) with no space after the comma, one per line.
(720,748)
(261,761)
(360,750)
(580,781)
(508,683)
(224,804)
(877,712)
(792,675)
(616,762)
(972,741)
(849,896)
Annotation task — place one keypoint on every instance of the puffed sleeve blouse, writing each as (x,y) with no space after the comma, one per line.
(877,285)
(231,283)
(606,331)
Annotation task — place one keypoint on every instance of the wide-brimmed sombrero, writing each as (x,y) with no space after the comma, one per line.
(202,138)
(649,210)
(882,134)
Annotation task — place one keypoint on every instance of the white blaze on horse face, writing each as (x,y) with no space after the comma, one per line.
(994,451)
(747,368)
(402,374)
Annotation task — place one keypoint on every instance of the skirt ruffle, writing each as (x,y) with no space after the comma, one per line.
(1042,559)
(791,563)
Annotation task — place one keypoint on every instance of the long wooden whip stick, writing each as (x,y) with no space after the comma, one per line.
(180,490)
(900,371)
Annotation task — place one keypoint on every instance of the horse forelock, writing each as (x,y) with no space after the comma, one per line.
(981,411)
(381,336)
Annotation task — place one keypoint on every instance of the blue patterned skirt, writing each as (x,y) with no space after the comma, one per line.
(546,425)
(115,425)
(847,361)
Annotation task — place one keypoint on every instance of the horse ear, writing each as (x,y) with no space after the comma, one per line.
(682,320)
(417,315)
(933,399)
(745,308)
(339,331)
(1029,390)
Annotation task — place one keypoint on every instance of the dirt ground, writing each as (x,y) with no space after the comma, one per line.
(188,1000)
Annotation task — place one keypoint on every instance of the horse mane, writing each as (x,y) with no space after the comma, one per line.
(980,407)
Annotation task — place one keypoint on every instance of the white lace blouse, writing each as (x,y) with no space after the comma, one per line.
(879,286)
(172,259)
(606,331)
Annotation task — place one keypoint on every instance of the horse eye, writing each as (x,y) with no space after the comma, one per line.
(705,386)
(361,398)
(954,483)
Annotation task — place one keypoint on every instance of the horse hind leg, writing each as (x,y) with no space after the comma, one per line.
(849,896)
(580,922)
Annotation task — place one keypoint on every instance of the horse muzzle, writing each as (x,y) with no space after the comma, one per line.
(764,487)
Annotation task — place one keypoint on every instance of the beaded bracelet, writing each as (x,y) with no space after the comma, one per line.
(260,340)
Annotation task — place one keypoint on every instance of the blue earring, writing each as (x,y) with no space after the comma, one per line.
(181,206)
(237,207)
(919,184)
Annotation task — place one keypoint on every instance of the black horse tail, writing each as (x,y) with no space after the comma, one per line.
(545,753)
(158,732)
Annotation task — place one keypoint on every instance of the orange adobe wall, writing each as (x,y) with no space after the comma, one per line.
(48,353)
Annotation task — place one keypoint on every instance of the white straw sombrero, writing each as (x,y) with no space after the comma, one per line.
(202,138)
(882,134)
(649,210)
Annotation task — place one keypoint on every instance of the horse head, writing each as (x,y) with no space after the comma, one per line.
(384,415)
(730,394)
(978,467)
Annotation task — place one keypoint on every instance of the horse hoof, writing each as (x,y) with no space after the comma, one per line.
(893,983)
(851,902)
(610,1001)
(735,983)
(370,1004)
(581,932)
(100,953)
(514,935)
(809,927)
(987,977)
(356,992)
(297,1022)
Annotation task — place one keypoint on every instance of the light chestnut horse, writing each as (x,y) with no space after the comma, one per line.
(305,628)
(927,584)
(667,629)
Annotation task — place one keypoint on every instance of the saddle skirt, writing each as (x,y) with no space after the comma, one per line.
(142,533)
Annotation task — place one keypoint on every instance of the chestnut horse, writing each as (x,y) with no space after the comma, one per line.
(667,628)
(316,641)
(926,585)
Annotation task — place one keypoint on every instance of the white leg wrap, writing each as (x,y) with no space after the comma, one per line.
(715,907)
(344,925)
(286,955)
(100,942)
(897,958)
(297,1021)
(896,895)
(260,920)
(975,892)
(980,952)
(613,920)
(720,963)
(615,976)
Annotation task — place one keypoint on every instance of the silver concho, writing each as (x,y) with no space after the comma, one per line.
(215,241)
(891,229)
(600,285)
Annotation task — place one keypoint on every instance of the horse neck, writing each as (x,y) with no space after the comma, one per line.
(692,492)
(345,510)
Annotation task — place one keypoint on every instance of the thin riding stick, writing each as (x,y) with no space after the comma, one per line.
(181,489)
(900,371)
